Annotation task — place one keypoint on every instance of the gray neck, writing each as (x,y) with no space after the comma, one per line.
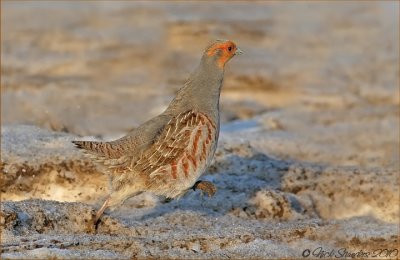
(201,91)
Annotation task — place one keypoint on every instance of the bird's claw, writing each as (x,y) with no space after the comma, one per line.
(205,187)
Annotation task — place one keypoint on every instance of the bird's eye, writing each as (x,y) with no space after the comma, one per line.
(229,48)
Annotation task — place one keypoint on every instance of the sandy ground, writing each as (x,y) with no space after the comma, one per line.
(308,157)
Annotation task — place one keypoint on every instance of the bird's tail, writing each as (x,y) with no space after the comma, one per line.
(89,145)
(99,149)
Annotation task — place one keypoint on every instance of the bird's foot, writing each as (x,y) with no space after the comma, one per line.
(205,187)
(100,212)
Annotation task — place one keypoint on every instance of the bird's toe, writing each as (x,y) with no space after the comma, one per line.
(205,187)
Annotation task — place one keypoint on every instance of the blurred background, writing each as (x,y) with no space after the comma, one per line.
(324,76)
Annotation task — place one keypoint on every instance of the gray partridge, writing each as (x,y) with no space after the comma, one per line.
(167,154)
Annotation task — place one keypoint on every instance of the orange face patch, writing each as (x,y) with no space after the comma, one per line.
(226,49)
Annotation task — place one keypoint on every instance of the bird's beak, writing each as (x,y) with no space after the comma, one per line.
(238,51)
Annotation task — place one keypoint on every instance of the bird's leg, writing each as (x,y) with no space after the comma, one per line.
(167,200)
(205,187)
(101,210)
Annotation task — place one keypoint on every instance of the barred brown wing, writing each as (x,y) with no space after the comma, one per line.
(181,148)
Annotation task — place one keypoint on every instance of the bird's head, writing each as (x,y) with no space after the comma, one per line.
(221,51)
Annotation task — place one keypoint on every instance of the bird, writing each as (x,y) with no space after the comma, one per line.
(167,154)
